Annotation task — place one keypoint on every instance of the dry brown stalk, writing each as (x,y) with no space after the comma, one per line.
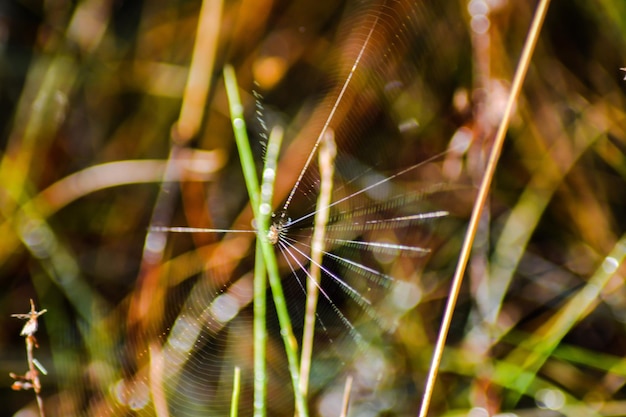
(31,378)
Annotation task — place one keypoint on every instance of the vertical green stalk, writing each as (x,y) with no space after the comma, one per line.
(234,402)
(260,277)
(262,215)
(260,333)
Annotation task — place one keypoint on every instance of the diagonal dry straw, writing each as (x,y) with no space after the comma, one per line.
(327,153)
(518,79)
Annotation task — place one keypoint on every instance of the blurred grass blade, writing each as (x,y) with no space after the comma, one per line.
(532,352)
(346,397)
(200,70)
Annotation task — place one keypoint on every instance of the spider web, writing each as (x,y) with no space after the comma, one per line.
(392,210)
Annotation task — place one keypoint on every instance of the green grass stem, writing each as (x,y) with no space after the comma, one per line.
(262,215)
(234,402)
(260,332)
(260,278)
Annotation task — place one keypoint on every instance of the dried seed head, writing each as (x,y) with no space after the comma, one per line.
(31,326)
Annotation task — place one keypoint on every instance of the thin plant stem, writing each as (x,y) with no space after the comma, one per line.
(30,345)
(262,222)
(234,402)
(327,153)
(31,378)
(346,397)
(260,278)
(260,332)
(483,191)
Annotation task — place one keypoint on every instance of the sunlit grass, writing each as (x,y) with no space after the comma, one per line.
(97,149)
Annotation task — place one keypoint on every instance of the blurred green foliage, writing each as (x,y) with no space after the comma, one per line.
(92,155)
